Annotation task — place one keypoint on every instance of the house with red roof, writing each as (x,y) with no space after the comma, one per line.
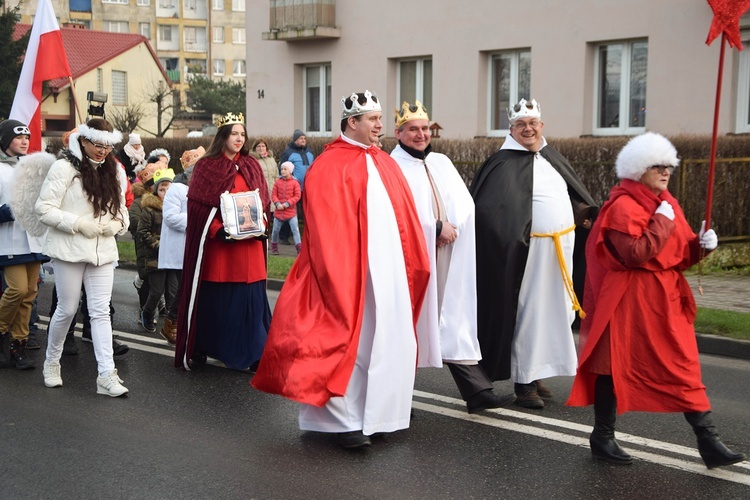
(123,66)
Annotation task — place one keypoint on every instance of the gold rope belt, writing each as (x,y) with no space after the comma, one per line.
(567,279)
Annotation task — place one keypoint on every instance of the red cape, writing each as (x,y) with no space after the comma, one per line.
(312,343)
(649,311)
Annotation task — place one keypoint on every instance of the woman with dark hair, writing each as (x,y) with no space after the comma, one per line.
(223,307)
(82,200)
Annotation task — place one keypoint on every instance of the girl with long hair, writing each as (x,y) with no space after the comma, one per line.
(82,200)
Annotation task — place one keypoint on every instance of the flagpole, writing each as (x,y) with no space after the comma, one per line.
(75,101)
(715,133)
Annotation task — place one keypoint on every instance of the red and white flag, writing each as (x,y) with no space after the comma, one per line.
(45,59)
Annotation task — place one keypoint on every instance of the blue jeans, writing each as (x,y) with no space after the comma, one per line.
(277,223)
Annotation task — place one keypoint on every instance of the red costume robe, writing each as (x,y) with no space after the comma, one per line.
(646,312)
(314,336)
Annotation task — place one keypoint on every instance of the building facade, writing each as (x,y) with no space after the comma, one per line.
(598,67)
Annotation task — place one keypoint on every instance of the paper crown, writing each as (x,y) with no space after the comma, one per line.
(409,112)
(191,157)
(350,106)
(230,119)
(165,174)
(525,109)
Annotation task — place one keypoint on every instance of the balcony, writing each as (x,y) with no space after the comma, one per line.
(174,75)
(80,5)
(194,46)
(301,20)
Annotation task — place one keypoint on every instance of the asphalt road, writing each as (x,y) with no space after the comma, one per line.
(208,434)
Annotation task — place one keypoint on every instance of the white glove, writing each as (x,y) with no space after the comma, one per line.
(708,239)
(111,228)
(88,228)
(666,210)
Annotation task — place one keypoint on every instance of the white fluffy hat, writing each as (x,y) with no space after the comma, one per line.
(642,152)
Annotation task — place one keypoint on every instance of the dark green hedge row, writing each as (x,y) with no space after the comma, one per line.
(593,159)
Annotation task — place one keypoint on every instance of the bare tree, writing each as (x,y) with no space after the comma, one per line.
(167,100)
(126,119)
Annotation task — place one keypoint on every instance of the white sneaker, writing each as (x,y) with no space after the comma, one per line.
(51,372)
(110,384)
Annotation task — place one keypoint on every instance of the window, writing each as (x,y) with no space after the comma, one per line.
(165,33)
(218,67)
(743,88)
(415,82)
(510,81)
(317,98)
(218,34)
(217,4)
(239,67)
(145,29)
(190,4)
(238,35)
(167,4)
(143,3)
(119,88)
(620,88)
(238,5)
(116,1)
(116,26)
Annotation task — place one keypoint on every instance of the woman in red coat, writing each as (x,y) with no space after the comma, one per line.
(223,307)
(638,349)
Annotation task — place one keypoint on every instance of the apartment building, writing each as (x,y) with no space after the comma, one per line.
(190,37)
(598,67)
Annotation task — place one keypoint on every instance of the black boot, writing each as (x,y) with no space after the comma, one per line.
(18,355)
(602,440)
(713,452)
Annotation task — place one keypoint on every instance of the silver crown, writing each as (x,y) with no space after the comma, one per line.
(350,106)
(525,109)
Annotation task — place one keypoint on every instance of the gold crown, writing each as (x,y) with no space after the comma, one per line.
(230,119)
(409,112)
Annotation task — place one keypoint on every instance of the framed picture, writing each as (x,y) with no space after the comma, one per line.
(242,214)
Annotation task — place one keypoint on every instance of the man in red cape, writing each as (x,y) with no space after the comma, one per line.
(638,346)
(342,340)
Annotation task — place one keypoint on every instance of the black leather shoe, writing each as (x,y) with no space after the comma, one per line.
(488,399)
(119,349)
(715,453)
(353,439)
(606,448)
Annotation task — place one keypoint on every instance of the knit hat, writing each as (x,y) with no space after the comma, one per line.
(166,174)
(191,157)
(297,134)
(642,152)
(287,164)
(9,130)
(134,139)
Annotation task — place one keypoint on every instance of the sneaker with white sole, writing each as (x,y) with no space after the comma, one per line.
(110,384)
(51,372)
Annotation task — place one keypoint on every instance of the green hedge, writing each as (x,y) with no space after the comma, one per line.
(593,159)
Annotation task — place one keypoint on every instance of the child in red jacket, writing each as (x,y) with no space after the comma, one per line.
(285,195)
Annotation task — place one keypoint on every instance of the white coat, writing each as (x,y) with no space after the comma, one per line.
(62,201)
(173,227)
(451,333)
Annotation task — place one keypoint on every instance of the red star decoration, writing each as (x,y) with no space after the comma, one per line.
(727,20)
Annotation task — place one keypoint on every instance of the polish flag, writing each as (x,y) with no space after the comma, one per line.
(45,59)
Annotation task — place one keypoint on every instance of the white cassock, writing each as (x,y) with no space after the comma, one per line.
(543,343)
(378,397)
(447,326)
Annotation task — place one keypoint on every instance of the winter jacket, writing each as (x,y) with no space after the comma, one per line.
(174,225)
(63,201)
(302,159)
(149,231)
(135,208)
(270,170)
(16,245)
(286,190)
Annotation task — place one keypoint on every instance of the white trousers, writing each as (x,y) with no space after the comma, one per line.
(98,281)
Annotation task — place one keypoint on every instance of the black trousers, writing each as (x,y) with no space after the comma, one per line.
(470,379)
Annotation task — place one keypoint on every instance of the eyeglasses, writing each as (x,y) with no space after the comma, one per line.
(522,125)
(663,168)
(101,147)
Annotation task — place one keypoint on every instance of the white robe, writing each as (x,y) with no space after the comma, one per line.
(543,343)
(448,333)
(378,397)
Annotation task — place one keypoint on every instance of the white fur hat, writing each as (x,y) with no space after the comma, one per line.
(134,139)
(642,152)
